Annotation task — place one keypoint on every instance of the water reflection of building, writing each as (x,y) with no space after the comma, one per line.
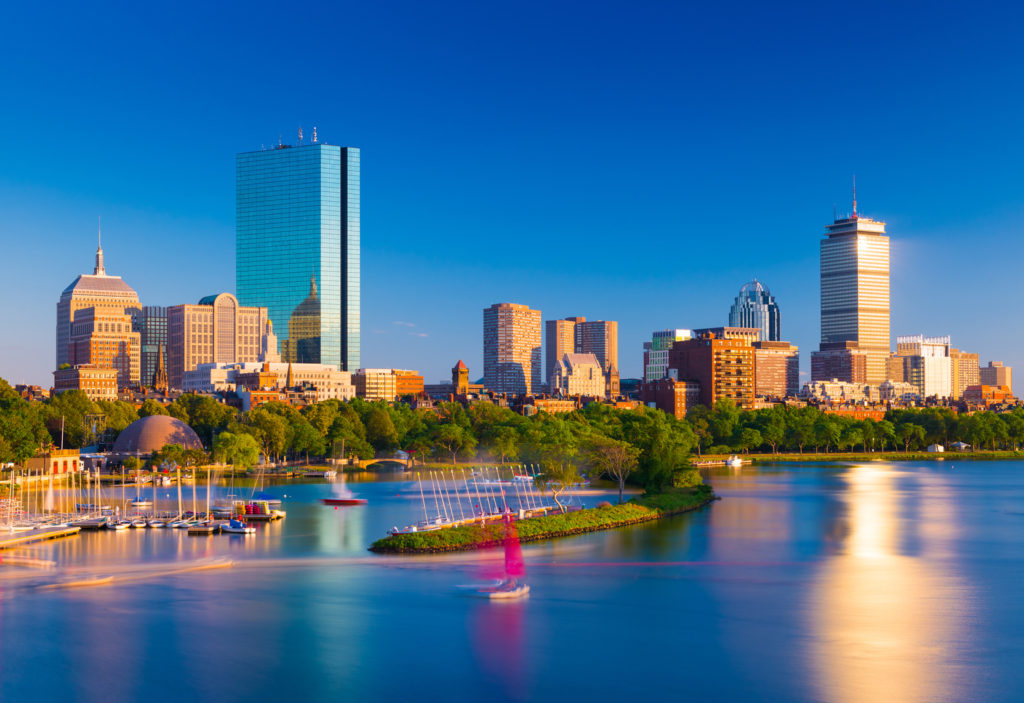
(303,343)
(881,609)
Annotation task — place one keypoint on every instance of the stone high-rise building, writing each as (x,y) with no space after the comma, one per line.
(101,304)
(216,330)
(855,294)
(512,343)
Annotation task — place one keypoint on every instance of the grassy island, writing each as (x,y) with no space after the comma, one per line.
(640,509)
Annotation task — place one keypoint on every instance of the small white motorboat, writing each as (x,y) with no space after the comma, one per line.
(237,527)
(119,525)
(157,523)
(138,522)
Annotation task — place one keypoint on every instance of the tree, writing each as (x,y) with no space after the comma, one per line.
(380,430)
(723,420)
(236,449)
(306,439)
(502,440)
(886,432)
(269,429)
(453,438)
(772,426)
(203,414)
(750,439)
(613,458)
(910,432)
(826,431)
(152,407)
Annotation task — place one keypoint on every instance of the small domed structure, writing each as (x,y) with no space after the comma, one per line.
(153,433)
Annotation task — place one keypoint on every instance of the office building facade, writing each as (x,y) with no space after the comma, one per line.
(151,325)
(756,307)
(776,369)
(964,369)
(723,367)
(855,292)
(217,330)
(297,248)
(512,344)
(106,301)
(926,364)
(656,352)
(996,374)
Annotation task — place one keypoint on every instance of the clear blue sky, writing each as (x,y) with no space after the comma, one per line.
(630,161)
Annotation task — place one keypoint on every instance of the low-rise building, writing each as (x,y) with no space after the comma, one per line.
(386,384)
(672,396)
(97,382)
(326,379)
(839,392)
(986,395)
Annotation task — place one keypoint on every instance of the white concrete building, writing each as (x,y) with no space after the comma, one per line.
(926,364)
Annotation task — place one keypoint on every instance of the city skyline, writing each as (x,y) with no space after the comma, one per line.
(156,220)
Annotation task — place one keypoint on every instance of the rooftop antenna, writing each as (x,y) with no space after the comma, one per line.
(279,144)
(855,195)
(314,134)
(300,135)
(835,213)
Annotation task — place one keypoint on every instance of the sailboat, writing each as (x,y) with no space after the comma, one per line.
(511,584)
(342,495)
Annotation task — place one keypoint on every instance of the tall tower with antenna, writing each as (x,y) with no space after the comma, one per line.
(855,314)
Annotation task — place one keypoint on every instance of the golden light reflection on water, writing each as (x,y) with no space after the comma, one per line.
(887,618)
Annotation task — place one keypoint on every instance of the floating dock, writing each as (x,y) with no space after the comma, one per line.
(17,539)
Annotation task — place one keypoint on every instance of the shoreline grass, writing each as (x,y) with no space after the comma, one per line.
(470,537)
(981,455)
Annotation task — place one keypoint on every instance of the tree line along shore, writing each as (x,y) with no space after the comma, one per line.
(644,447)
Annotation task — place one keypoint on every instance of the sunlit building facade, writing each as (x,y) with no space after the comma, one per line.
(926,364)
(106,301)
(996,374)
(855,292)
(297,248)
(963,372)
(217,330)
(512,343)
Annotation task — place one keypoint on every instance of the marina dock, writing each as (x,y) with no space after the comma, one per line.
(17,539)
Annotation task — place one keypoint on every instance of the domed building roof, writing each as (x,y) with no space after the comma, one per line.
(152,433)
(310,307)
(754,286)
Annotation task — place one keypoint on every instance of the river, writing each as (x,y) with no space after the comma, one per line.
(823,582)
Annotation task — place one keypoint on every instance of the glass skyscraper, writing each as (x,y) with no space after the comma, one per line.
(297,248)
(755,307)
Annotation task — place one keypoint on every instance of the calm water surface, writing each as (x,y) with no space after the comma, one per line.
(883,582)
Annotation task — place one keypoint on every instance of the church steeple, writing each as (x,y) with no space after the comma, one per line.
(160,377)
(100,271)
(312,286)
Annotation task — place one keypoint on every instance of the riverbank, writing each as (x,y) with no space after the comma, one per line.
(982,455)
(470,537)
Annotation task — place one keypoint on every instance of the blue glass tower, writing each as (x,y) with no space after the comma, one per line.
(297,248)
(756,307)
